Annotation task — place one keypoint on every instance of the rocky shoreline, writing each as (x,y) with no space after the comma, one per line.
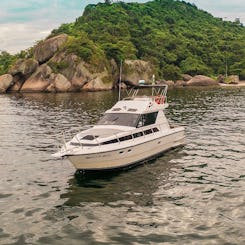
(51,69)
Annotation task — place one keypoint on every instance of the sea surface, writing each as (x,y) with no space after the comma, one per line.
(191,195)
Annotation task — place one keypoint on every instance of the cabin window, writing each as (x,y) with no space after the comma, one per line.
(90,137)
(148,131)
(147,119)
(110,142)
(155,130)
(139,134)
(122,119)
(116,109)
(128,137)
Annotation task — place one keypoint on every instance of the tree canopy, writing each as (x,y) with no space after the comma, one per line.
(175,36)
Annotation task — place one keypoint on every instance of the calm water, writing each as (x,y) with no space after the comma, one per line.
(191,195)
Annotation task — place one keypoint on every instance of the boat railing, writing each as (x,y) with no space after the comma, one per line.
(158,92)
(66,135)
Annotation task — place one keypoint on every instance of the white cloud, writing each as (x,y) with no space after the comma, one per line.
(22,23)
(15,37)
(226,9)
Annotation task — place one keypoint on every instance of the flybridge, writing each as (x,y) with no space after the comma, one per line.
(137,101)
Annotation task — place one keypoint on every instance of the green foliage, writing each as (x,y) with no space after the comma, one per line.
(174,35)
(171,72)
(81,46)
(194,65)
(6,60)
(58,66)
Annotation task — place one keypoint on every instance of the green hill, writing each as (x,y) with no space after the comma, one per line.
(175,36)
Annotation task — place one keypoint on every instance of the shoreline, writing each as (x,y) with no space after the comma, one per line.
(240,84)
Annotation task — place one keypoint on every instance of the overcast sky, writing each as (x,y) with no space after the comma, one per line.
(22,23)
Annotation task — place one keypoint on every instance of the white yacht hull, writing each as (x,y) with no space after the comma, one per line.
(128,155)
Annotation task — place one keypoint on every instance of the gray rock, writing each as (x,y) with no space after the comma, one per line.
(81,75)
(60,83)
(220,79)
(24,67)
(38,81)
(200,80)
(186,77)
(233,79)
(135,70)
(5,82)
(170,83)
(75,70)
(97,84)
(180,83)
(18,81)
(47,48)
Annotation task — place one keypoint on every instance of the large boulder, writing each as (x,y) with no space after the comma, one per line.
(81,75)
(99,83)
(59,83)
(39,80)
(135,70)
(47,48)
(186,77)
(200,80)
(179,83)
(170,83)
(233,79)
(18,81)
(24,67)
(5,82)
(220,79)
(73,68)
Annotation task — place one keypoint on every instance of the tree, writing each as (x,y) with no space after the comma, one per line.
(108,1)
(6,60)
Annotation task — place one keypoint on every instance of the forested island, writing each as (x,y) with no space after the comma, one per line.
(163,37)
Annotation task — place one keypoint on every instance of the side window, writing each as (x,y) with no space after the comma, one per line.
(139,134)
(128,137)
(148,131)
(110,142)
(155,130)
(147,119)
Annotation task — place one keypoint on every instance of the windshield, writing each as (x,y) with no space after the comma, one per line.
(122,119)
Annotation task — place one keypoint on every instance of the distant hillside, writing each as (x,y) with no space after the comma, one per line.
(173,35)
(176,36)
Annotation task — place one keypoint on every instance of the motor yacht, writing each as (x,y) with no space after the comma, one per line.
(135,129)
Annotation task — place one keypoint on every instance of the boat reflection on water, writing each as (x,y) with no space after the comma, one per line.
(136,185)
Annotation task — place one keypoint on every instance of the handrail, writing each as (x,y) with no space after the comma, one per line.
(117,135)
(157,90)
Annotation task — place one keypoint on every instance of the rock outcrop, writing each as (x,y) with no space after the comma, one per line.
(221,79)
(179,83)
(5,82)
(233,79)
(47,48)
(38,81)
(170,83)
(135,70)
(18,81)
(186,77)
(73,68)
(200,80)
(59,83)
(97,84)
(24,67)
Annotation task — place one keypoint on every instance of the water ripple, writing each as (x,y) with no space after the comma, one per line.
(192,195)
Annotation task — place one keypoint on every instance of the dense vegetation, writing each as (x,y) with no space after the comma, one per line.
(175,36)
